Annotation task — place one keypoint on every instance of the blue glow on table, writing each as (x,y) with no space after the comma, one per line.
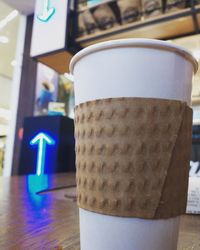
(42,140)
(37,184)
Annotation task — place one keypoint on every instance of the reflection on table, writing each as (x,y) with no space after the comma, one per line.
(49,220)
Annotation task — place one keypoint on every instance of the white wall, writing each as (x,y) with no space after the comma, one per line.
(5,95)
(15,97)
(5,91)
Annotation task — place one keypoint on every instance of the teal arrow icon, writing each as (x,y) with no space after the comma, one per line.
(47,12)
(41,140)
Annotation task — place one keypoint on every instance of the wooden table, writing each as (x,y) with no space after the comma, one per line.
(44,222)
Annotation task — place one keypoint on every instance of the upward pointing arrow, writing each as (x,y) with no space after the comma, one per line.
(47,12)
(41,140)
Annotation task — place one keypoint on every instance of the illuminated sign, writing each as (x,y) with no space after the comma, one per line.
(36,184)
(50,18)
(47,12)
(42,140)
(48,146)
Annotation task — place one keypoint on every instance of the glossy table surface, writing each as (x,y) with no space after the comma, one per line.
(49,220)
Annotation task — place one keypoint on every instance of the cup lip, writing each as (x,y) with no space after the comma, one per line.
(134,42)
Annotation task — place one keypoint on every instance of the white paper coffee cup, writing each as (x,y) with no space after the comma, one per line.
(131,68)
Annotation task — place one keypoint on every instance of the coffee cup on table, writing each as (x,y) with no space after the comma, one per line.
(133,137)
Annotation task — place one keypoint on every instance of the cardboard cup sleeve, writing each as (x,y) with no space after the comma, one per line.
(133,156)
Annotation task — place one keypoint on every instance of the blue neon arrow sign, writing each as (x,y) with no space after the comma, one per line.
(47,12)
(41,140)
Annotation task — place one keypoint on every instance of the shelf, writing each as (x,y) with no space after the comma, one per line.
(58,61)
(94,5)
(165,26)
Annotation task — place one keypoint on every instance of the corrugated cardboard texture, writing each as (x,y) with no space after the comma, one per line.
(133,156)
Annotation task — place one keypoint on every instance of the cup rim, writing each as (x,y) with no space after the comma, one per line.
(134,42)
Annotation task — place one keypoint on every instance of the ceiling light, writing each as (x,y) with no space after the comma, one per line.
(8,18)
(14,63)
(12,15)
(4,39)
